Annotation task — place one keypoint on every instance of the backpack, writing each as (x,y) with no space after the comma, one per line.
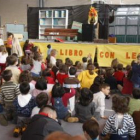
(61,110)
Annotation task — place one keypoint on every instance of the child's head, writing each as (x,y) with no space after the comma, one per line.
(12,60)
(69,63)
(79,66)
(114,63)
(7,75)
(58,62)
(109,72)
(66,59)
(136,93)
(120,104)
(42,99)
(53,52)
(128,67)
(101,72)
(24,88)
(49,46)
(90,68)
(18,63)
(86,97)
(10,35)
(27,41)
(105,88)
(76,63)
(15,55)
(72,71)
(57,91)
(84,59)
(3,49)
(63,69)
(91,129)
(24,60)
(37,56)
(129,75)
(41,84)
(25,76)
(120,66)
(49,66)
(35,49)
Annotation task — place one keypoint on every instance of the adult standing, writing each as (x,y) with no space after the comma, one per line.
(9,43)
(16,48)
(136,73)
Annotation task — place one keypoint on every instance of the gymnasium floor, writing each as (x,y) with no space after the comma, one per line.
(6,132)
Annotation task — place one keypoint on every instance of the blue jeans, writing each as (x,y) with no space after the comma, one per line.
(119,137)
(136,85)
(35,75)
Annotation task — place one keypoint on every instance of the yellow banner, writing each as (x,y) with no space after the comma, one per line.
(74,51)
(124,53)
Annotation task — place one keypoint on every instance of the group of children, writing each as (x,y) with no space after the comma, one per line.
(77,92)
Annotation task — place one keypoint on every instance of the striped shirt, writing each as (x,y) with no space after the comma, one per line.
(128,126)
(9,91)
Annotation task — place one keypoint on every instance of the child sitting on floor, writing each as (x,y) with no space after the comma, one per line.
(110,79)
(37,62)
(41,101)
(120,125)
(99,99)
(99,80)
(24,64)
(134,104)
(119,74)
(40,86)
(62,74)
(127,87)
(85,108)
(13,61)
(9,91)
(60,101)
(26,76)
(24,104)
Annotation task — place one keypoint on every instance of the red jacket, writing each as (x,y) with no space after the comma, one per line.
(61,77)
(127,86)
(119,75)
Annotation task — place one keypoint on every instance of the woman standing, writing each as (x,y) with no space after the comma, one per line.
(16,48)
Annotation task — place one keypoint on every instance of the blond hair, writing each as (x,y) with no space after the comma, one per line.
(3,49)
(53,52)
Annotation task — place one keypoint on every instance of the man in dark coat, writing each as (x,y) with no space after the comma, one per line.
(42,124)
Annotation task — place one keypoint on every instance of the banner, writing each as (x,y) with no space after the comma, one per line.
(74,51)
(124,53)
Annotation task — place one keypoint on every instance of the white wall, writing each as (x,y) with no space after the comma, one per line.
(15,10)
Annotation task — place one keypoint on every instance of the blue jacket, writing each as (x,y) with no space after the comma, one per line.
(136,73)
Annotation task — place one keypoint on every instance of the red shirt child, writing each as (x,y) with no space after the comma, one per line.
(119,74)
(62,75)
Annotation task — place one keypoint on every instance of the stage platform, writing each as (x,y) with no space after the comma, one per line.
(105,52)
